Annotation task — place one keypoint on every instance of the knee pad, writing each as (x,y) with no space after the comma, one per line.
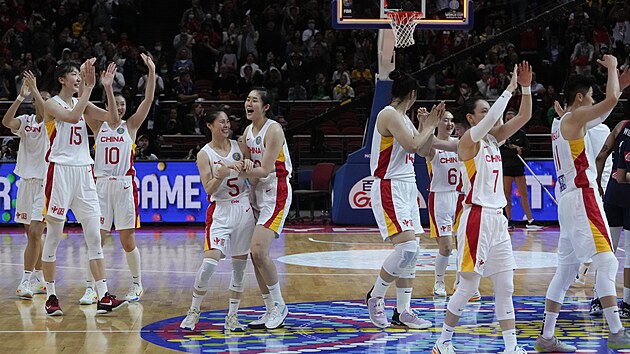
(561,281)
(51,242)
(409,272)
(626,235)
(605,265)
(238,273)
(503,289)
(403,256)
(92,235)
(615,234)
(204,273)
(467,286)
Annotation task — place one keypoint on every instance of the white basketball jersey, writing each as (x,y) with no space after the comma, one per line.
(444,171)
(31,153)
(232,187)
(114,152)
(388,159)
(68,142)
(483,176)
(575,167)
(257,151)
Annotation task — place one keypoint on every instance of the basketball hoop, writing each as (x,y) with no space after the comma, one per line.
(403,24)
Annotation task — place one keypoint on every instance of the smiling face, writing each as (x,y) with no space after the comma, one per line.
(255,108)
(121,105)
(71,80)
(480,111)
(220,127)
(446,125)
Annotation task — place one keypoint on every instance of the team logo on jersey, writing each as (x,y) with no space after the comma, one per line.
(258,140)
(120,130)
(236,156)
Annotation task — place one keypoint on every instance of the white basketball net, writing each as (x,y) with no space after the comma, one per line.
(403,24)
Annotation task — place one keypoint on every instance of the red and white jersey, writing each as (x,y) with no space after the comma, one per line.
(31,162)
(232,187)
(483,176)
(575,167)
(388,159)
(68,142)
(444,171)
(114,152)
(256,146)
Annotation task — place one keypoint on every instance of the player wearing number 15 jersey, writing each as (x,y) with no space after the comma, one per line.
(229,218)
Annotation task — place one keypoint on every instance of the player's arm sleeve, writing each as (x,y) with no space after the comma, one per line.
(494,114)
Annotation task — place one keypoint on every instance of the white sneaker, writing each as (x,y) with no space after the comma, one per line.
(38,287)
(24,291)
(89,297)
(517,350)
(444,348)
(232,324)
(439,289)
(476,296)
(260,322)
(276,316)
(135,292)
(191,320)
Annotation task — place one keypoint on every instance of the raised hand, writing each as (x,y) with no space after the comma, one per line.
(513,80)
(148,62)
(30,80)
(624,77)
(107,77)
(558,108)
(27,84)
(437,113)
(524,74)
(608,61)
(88,74)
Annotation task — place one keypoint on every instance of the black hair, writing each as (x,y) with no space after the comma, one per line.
(209,118)
(403,84)
(65,68)
(265,98)
(577,84)
(470,105)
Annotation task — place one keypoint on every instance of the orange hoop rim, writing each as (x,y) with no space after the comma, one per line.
(402,17)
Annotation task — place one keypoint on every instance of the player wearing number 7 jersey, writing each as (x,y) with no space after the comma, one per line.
(115,180)
(485,248)
(229,218)
(69,182)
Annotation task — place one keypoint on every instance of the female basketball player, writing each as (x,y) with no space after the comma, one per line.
(263,141)
(394,199)
(115,183)
(483,238)
(229,218)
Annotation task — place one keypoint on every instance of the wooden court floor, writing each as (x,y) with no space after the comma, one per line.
(320,264)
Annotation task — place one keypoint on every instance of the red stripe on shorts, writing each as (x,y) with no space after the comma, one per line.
(282,192)
(49,184)
(209,213)
(594,213)
(388,203)
(473,225)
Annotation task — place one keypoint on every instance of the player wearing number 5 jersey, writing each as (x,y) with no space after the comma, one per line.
(264,142)
(229,218)
(69,182)
(484,245)
(115,181)
(395,142)
(445,200)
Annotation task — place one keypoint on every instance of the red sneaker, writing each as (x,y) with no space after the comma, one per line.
(52,306)
(109,303)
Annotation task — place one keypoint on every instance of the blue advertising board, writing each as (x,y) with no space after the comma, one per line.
(167,192)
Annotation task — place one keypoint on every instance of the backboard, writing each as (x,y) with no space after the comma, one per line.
(371,14)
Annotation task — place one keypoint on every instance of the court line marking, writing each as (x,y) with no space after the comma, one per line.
(345,243)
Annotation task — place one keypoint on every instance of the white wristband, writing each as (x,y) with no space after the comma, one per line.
(20,98)
(526,90)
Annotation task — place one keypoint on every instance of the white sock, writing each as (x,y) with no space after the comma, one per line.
(101,288)
(380,287)
(549,324)
(509,338)
(196,301)
(612,317)
(26,276)
(626,295)
(276,295)
(234,303)
(50,288)
(447,334)
(403,299)
(268,302)
(133,261)
(39,275)
(441,263)
(88,276)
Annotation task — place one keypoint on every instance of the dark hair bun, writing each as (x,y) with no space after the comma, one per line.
(396,75)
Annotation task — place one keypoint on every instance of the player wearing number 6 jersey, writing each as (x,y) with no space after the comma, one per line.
(264,142)
(445,201)
(485,248)
(229,218)
(115,181)
(69,181)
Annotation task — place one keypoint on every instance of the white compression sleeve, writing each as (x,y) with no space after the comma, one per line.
(494,114)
